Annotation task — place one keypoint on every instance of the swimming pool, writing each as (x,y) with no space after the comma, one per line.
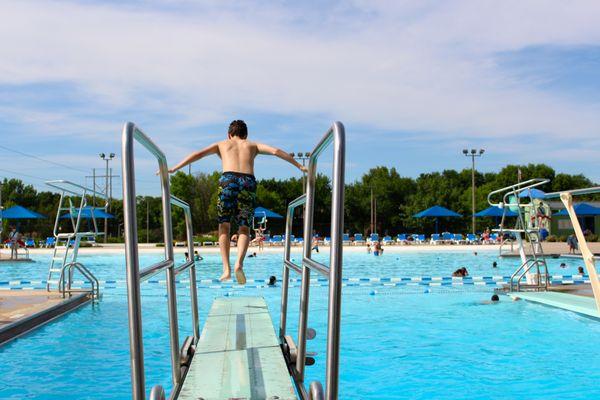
(397,342)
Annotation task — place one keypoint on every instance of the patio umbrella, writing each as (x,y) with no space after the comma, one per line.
(436,212)
(19,212)
(582,210)
(86,213)
(496,212)
(532,193)
(261,212)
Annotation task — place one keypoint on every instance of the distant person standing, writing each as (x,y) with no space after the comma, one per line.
(13,242)
(572,242)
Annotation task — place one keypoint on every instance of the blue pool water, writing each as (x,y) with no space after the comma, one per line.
(397,342)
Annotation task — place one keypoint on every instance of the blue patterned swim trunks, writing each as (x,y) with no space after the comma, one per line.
(237,198)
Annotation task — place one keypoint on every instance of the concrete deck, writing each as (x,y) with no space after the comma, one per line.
(238,355)
(24,310)
(580,304)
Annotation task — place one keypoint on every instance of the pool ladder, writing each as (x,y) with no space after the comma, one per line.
(66,244)
(533,266)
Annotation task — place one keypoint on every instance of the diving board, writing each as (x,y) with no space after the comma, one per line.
(238,355)
(580,304)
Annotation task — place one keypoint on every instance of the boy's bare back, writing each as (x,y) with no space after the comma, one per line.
(237,155)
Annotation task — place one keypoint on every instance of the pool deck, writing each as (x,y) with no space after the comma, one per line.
(238,355)
(24,310)
(577,300)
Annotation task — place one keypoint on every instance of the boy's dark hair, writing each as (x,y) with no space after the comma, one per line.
(238,128)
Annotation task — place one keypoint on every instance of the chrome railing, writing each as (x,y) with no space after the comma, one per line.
(132,133)
(296,356)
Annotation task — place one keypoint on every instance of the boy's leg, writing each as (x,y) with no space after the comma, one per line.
(224,246)
(243,241)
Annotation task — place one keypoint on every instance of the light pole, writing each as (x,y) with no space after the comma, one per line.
(106,192)
(302,157)
(473,153)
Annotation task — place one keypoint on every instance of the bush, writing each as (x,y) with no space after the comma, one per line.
(551,238)
(591,238)
(562,238)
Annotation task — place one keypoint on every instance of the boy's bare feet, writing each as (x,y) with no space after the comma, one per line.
(225,277)
(239,274)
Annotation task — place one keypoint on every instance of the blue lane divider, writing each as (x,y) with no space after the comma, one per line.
(350,282)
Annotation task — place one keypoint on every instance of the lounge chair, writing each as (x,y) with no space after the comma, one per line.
(373,238)
(29,242)
(387,240)
(458,239)
(419,238)
(346,240)
(493,238)
(447,237)
(401,238)
(50,241)
(327,241)
(472,238)
(276,240)
(436,238)
(358,239)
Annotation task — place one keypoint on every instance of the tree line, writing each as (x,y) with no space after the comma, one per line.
(397,197)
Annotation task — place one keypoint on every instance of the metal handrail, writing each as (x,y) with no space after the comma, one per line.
(335,134)
(515,189)
(131,134)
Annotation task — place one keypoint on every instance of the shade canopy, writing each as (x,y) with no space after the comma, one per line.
(582,210)
(88,212)
(261,212)
(532,193)
(19,212)
(437,211)
(493,211)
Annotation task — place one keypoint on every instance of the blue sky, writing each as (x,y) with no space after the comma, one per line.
(414,82)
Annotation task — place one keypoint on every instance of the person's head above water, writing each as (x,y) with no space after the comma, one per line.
(272,280)
(495,297)
(494,264)
(580,270)
(238,128)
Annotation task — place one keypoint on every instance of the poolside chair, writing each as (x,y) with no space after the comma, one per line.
(374,237)
(447,237)
(327,241)
(472,238)
(387,240)
(276,240)
(29,242)
(458,238)
(346,240)
(420,238)
(436,238)
(358,239)
(401,238)
(493,238)
(50,241)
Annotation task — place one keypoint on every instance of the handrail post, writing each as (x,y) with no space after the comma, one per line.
(132,269)
(285,276)
(170,272)
(192,271)
(335,265)
(307,250)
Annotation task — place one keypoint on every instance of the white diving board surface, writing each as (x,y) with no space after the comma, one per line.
(580,304)
(238,355)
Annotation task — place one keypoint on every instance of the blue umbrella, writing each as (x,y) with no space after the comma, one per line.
(19,212)
(261,212)
(532,193)
(87,212)
(437,212)
(582,210)
(494,211)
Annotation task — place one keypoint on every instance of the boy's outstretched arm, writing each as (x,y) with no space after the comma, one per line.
(274,151)
(195,156)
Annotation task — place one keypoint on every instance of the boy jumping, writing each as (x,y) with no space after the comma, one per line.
(237,189)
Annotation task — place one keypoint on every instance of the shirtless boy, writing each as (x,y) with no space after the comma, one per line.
(237,189)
